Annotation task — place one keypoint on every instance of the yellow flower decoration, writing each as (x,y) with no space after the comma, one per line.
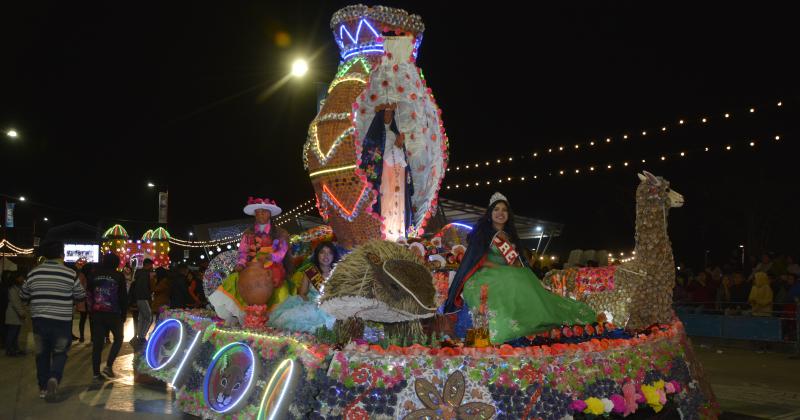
(595,406)
(660,384)
(651,395)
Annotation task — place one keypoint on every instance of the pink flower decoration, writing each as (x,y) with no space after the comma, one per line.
(662,396)
(669,388)
(619,403)
(629,394)
(676,386)
(578,406)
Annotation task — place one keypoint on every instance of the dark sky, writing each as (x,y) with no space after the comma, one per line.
(110,95)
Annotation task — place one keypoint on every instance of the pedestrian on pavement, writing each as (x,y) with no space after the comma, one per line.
(15,315)
(143,296)
(160,288)
(108,301)
(179,287)
(52,289)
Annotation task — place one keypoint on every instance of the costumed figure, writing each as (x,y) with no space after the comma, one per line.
(260,273)
(383,160)
(518,304)
(301,312)
(402,156)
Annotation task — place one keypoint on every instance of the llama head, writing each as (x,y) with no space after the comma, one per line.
(657,188)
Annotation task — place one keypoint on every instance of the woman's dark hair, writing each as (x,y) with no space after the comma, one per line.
(484,231)
(318,249)
(110,261)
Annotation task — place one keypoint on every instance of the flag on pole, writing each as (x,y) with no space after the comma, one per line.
(162,207)
(10,215)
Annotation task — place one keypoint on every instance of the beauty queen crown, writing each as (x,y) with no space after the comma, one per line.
(357,29)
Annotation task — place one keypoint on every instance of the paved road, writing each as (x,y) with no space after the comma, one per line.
(748,385)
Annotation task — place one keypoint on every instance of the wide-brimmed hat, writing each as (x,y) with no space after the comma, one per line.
(254,204)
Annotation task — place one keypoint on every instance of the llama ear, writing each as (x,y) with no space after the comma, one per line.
(654,179)
(642,177)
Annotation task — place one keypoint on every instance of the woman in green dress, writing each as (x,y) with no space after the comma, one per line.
(518,305)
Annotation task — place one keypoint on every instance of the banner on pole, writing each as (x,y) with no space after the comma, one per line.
(186,254)
(163,198)
(10,214)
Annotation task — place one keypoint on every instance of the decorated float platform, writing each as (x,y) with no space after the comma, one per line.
(388,355)
(231,373)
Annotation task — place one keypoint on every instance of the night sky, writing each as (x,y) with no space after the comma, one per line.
(109,96)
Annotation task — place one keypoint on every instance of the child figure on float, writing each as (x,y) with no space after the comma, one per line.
(518,304)
(301,312)
(262,251)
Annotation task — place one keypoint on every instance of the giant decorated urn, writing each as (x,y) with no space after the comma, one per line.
(378,48)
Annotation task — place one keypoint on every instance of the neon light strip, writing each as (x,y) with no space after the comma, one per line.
(323,157)
(156,333)
(335,200)
(186,356)
(211,369)
(462,225)
(348,65)
(325,171)
(358,31)
(351,77)
(376,48)
(273,383)
(374,32)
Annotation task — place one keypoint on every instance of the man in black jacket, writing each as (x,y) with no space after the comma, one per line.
(108,303)
(179,287)
(143,296)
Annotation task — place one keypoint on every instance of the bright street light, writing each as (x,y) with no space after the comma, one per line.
(46,219)
(151,185)
(22,198)
(299,68)
(12,133)
(191,233)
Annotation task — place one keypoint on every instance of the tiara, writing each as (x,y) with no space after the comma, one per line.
(497,197)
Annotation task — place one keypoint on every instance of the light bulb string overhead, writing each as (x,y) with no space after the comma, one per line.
(748,144)
(592,143)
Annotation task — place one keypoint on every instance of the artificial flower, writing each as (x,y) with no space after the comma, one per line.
(594,406)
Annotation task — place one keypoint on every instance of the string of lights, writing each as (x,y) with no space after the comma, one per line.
(300,212)
(228,240)
(591,144)
(300,208)
(751,144)
(16,249)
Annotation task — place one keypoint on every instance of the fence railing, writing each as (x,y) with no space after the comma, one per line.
(737,321)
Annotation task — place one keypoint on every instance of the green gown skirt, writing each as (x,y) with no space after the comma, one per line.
(517,302)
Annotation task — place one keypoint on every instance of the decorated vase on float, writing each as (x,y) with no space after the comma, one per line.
(377,151)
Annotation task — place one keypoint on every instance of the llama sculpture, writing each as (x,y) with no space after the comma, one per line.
(638,293)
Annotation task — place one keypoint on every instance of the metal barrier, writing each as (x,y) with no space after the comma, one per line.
(700,320)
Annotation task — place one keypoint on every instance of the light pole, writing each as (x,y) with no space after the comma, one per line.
(742,248)
(163,201)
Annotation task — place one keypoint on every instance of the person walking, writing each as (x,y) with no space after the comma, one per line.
(143,296)
(15,316)
(108,301)
(52,289)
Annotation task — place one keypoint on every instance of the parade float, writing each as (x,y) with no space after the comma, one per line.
(389,354)
(153,245)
